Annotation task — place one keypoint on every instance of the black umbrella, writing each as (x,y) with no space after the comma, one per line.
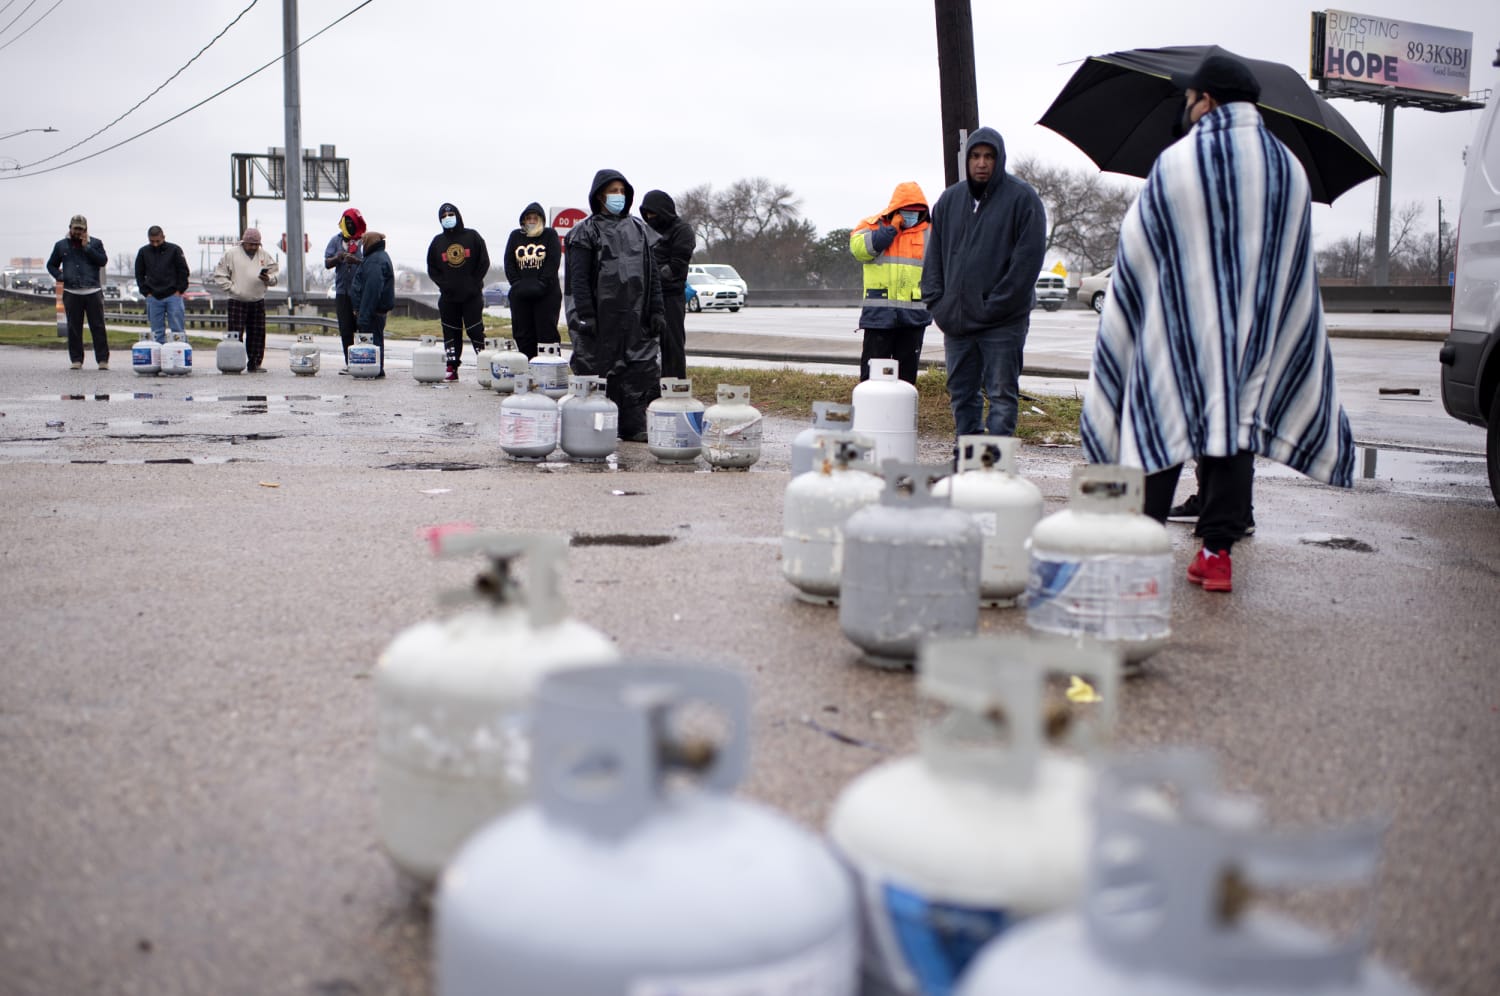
(1119,109)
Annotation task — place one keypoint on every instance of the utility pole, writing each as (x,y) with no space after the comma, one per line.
(956,87)
(1382,274)
(1440,242)
(291,86)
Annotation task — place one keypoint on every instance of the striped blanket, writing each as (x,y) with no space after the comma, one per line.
(1212,337)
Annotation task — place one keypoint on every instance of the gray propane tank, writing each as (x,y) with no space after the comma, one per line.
(815,508)
(827,417)
(590,421)
(990,824)
(674,423)
(1006,507)
(1165,911)
(364,356)
(618,880)
(145,355)
(911,569)
(505,364)
(1100,568)
(549,371)
(429,361)
(482,362)
(528,422)
(305,357)
(731,429)
(230,356)
(177,355)
(454,699)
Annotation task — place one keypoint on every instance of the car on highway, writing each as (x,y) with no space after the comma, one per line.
(724,274)
(121,292)
(712,295)
(195,298)
(1092,290)
(497,295)
(1051,290)
(43,284)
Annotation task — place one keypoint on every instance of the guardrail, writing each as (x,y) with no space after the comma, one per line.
(1422,300)
(215,320)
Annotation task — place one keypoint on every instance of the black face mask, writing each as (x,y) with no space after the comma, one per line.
(1183,124)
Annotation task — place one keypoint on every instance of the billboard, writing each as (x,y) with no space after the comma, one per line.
(1387,53)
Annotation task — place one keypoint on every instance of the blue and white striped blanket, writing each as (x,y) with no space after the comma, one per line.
(1212,337)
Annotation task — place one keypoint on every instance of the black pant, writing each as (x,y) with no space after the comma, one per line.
(535,320)
(344,306)
(76,307)
(1224,485)
(632,389)
(674,339)
(249,317)
(902,345)
(461,316)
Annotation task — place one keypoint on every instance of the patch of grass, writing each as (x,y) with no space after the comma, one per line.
(17,309)
(46,337)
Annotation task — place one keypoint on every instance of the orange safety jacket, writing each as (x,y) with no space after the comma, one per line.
(893,277)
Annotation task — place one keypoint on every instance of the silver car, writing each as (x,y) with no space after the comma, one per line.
(1093,289)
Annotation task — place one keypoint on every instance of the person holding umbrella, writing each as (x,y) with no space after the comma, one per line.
(1211,344)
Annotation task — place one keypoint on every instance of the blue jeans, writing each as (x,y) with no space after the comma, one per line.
(986,365)
(161,314)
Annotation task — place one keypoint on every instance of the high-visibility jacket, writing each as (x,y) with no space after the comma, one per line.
(892,265)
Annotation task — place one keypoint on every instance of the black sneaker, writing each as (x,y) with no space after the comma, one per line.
(1188,511)
(1250,526)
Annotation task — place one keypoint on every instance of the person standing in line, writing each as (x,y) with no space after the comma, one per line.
(615,311)
(76,262)
(245,272)
(1211,344)
(458,262)
(891,245)
(533,257)
(984,252)
(673,253)
(343,255)
(161,273)
(373,290)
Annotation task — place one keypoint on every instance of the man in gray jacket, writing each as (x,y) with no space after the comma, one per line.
(984,252)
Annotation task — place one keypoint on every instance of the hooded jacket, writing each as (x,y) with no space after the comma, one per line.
(531,264)
(983,255)
(161,271)
(457,259)
(892,258)
(675,250)
(373,289)
(613,286)
(77,264)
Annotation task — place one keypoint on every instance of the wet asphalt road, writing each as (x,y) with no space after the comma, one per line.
(186,714)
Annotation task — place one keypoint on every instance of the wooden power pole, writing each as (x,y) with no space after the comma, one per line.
(956,87)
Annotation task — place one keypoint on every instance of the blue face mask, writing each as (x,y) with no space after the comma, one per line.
(615,203)
(909,218)
(449,221)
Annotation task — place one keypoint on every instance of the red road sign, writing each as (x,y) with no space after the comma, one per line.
(564,218)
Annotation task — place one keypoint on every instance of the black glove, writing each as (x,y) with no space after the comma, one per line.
(658,326)
(582,326)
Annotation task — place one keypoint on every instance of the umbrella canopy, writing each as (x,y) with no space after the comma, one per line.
(1120,108)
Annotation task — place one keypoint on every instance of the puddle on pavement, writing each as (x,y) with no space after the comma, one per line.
(620,539)
(434,465)
(203,398)
(1402,467)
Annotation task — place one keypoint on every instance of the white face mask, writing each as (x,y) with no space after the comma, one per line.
(449,221)
(532,229)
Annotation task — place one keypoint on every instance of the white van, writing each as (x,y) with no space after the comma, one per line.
(722,273)
(1471,357)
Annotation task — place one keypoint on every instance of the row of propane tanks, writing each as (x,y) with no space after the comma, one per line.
(576,811)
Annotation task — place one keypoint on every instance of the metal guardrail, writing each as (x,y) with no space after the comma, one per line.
(217,320)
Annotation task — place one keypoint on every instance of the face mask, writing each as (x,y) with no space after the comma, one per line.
(614,203)
(449,221)
(532,229)
(909,218)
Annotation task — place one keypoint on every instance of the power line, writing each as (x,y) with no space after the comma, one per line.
(211,97)
(31,25)
(7,6)
(22,14)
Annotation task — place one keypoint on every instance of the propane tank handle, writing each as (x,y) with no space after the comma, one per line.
(1106,487)
(544,556)
(845,449)
(910,484)
(982,452)
(829,413)
(603,744)
(580,386)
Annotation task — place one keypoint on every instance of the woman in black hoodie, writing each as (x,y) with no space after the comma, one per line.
(532,258)
(458,262)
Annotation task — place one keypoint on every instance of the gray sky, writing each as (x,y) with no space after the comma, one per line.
(495,103)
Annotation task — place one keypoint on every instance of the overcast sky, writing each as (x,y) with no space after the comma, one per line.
(493,103)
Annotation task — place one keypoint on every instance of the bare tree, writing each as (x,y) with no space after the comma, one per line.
(1084,211)
(1404,234)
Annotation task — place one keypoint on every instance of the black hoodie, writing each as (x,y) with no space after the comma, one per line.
(677,242)
(457,259)
(531,264)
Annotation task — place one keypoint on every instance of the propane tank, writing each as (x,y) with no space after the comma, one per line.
(616,882)
(364,356)
(990,823)
(528,422)
(549,371)
(505,364)
(590,421)
(429,361)
(674,423)
(176,355)
(816,506)
(454,699)
(306,358)
(482,361)
(885,409)
(827,418)
(1165,910)
(731,430)
(145,355)
(1004,504)
(1100,568)
(230,354)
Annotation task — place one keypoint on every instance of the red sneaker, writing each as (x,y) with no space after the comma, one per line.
(1212,570)
(452,372)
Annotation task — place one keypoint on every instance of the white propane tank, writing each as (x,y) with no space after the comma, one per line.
(230,354)
(885,409)
(827,417)
(482,362)
(454,699)
(364,356)
(815,508)
(528,422)
(731,429)
(1006,507)
(911,569)
(990,823)
(549,371)
(176,355)
(505,364)
(429,361)
(145,355)
(674,423)
(621,879)
(590,421)
(1165,910)
(1100,568)
(306,358)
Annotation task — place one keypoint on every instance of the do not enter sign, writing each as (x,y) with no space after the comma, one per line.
(564,218)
